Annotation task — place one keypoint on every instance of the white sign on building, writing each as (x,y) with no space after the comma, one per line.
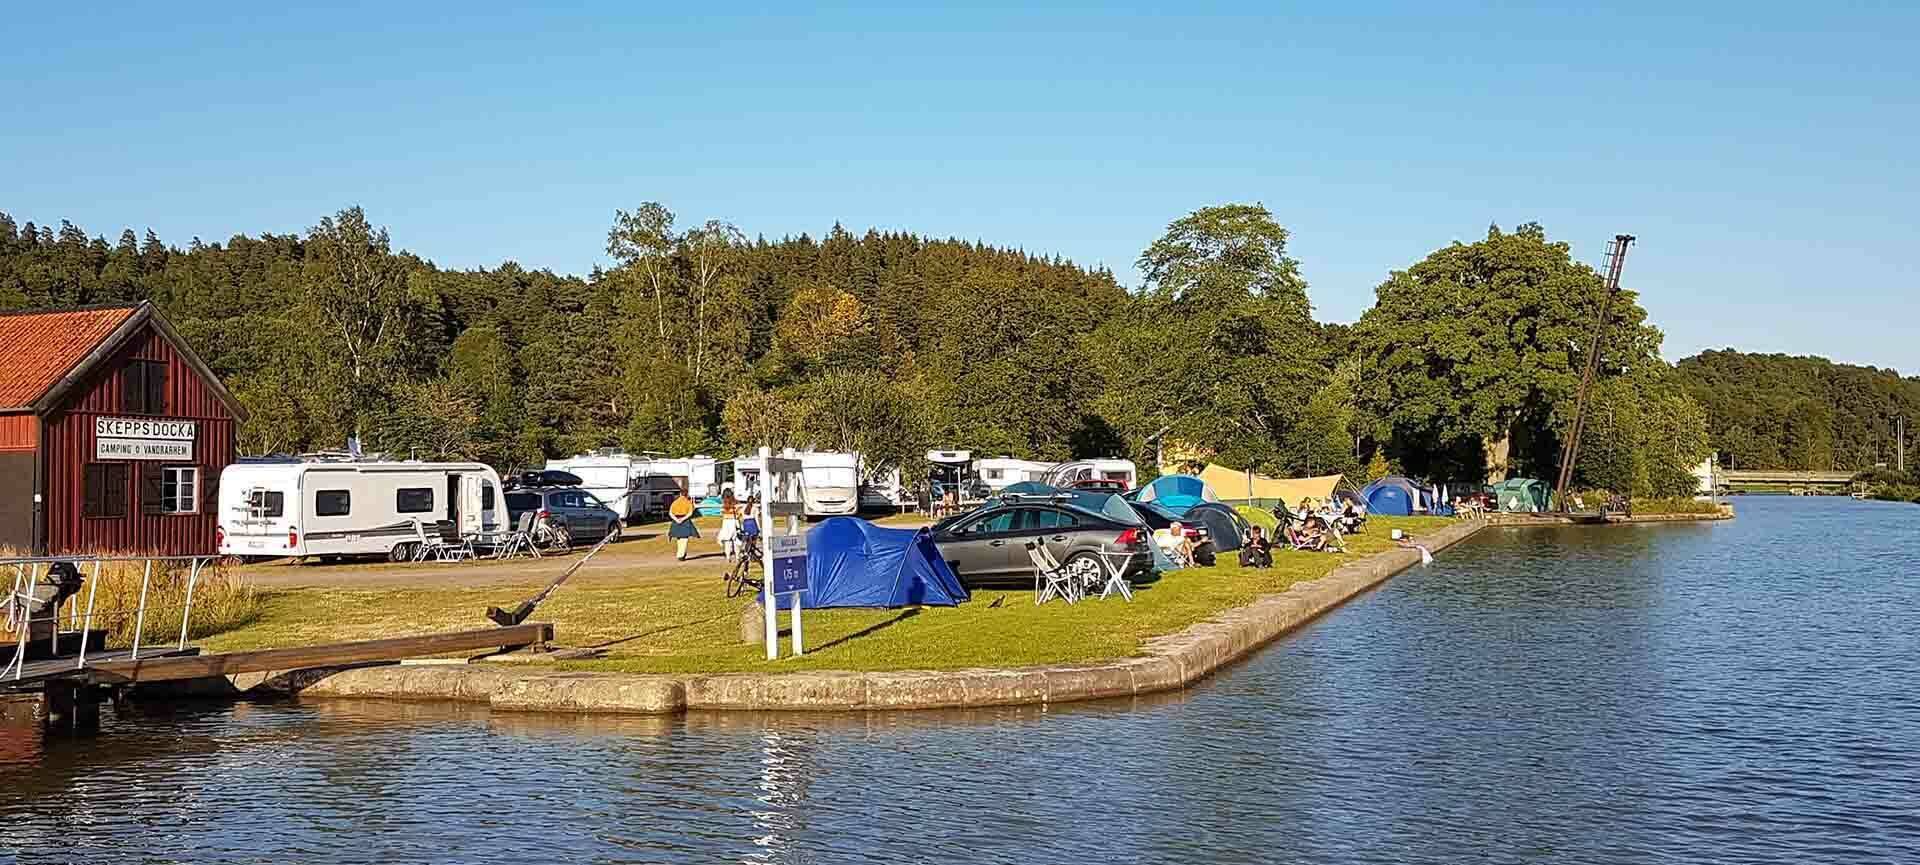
(143,438)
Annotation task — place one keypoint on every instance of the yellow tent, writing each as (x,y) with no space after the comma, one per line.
(1233,485)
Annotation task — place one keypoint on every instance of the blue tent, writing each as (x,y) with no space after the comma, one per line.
(1175,493)
(1396,496)
(854,563)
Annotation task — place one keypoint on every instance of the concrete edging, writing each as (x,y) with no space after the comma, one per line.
(1168,662)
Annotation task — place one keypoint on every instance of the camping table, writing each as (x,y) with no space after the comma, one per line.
(1116,572)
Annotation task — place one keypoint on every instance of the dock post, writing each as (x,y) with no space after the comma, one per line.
(140,617)
(93,585)
(193,573)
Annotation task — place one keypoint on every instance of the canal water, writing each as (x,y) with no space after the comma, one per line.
(1737,692)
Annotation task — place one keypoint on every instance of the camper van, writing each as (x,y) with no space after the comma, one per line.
(832,483)
(334,507)
(609,476)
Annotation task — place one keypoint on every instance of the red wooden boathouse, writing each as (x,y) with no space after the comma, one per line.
(113,434)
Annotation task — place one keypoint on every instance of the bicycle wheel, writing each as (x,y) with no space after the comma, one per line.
(736,579)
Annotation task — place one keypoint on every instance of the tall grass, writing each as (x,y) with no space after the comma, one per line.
(221,600)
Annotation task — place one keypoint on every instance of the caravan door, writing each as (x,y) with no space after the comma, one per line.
(478,502)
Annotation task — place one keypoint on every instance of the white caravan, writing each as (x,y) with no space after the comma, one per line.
(322,507)
(998,473)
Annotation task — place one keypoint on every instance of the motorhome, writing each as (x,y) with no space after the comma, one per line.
(831,483)
(881,491)
(609,476)
(830,480)
(326,506)
(1000,472)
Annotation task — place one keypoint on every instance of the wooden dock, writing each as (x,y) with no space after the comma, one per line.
(118,666)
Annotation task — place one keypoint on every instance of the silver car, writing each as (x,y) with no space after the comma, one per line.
(987,546)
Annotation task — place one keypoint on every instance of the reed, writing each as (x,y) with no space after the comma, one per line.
(222,601)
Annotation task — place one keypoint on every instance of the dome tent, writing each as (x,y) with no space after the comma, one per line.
(1226,528)
(1396,496)
(1175,493)
(1521,495)
(854,563)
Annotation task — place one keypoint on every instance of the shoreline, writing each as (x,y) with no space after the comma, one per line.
(1169,662)
(1555,519)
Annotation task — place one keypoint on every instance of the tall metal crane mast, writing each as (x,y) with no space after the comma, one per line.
(1570,449)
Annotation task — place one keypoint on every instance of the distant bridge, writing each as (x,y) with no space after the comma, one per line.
(1782,478)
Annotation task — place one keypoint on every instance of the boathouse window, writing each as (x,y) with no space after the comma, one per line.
(332,503)
(104,489)
(145,387)
(179,488)
(415,500)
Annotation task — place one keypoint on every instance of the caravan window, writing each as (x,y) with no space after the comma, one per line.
(332,503)
(414,500)
(486,495)
(262,504)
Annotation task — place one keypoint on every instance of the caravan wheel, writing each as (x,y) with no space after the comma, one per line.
(401,552)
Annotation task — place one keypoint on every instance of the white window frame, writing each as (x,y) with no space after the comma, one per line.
(172,480)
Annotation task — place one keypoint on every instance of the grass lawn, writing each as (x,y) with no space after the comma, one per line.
(677,619)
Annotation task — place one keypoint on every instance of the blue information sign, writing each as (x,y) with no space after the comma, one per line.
(789,554)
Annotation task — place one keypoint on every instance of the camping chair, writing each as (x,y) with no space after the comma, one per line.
(517,540)
(1057,582)
(1170,546)
(446,545)
(454,546)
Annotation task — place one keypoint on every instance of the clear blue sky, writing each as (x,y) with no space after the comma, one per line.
(1764,153)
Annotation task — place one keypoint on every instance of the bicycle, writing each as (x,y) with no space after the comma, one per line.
(740,576)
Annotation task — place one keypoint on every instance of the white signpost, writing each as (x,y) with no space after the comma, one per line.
(783,557)
(142,438)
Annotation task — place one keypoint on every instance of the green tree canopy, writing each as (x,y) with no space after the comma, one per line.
(1467,353)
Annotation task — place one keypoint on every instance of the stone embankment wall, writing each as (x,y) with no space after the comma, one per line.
(1166,663)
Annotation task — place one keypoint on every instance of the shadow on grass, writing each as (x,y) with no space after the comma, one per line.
(870,629)
(657,631)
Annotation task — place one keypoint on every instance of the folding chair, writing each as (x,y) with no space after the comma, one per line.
(1057,582)
(517,540)
(423,546)
(453,546)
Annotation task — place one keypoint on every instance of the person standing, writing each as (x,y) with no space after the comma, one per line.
(729,536)
(683,530)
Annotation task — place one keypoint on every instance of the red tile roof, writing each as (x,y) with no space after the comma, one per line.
(42,346)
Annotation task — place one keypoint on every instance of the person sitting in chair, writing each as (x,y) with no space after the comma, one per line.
(1174,542)
(1257,550)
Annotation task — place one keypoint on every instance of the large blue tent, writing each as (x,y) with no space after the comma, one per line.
(854,563)
(1176,493)
(1396,496)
